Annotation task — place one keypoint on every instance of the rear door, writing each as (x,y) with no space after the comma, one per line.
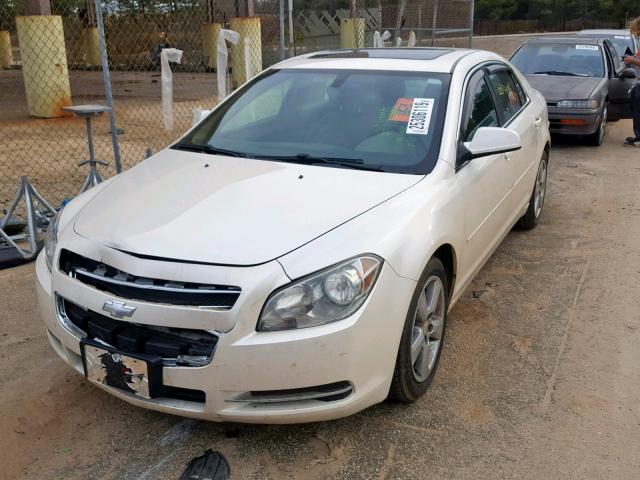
(619,98)
(517,112)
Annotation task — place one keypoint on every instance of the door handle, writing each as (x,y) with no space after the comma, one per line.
(507,157)
(538,122)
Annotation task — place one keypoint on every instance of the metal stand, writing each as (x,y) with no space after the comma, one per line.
(88,112)
(38,214)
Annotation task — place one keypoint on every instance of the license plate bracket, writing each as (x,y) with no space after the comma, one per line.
(140,375)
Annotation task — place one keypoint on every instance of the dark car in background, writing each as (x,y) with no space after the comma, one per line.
(625,43)
(583,80)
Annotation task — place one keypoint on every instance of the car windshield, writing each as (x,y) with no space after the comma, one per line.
(370,120)
(562,59)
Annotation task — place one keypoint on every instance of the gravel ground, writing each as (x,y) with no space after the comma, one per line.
(539,377)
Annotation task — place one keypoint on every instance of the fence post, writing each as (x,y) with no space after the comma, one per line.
(282,30)
(107,86)
(6,55)
(434,24)
(291,32)
(472,8)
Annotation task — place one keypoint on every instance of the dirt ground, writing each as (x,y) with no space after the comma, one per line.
(539,377)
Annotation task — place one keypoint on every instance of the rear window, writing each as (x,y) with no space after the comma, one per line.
(562,59)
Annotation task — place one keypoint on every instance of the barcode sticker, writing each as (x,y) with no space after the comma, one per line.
(420,117)
(587,47)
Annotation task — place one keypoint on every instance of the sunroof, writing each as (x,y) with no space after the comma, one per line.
(392,53)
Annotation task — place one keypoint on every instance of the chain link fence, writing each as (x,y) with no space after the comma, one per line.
(51,61)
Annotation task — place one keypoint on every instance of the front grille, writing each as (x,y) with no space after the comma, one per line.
(176,346)
(124,285)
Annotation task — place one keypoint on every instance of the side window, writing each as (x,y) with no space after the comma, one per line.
(614,60)
(521,92)
(508,98)
(480,109)
(610,62)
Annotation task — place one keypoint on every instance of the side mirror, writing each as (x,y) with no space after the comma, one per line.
(489,141)
(627,73)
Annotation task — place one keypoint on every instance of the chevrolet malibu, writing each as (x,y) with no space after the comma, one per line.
(295,255)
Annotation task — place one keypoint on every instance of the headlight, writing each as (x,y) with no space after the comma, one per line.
(324,297)
(579,104)
(51,240)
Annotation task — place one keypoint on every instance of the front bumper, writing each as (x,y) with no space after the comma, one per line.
(591,119)
(360,350)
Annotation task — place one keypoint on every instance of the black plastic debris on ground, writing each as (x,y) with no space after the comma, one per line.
(210,466)
(10,257)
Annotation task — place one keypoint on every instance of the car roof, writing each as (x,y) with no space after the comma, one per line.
(435,60)
(626,33)
(556,40)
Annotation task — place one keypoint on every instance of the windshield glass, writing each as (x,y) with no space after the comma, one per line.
(560,59)
(388,121)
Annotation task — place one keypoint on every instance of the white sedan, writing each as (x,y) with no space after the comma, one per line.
(294,256)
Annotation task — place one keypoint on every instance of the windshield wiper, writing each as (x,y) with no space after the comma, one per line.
(559,73)
(208,149)
(306,159)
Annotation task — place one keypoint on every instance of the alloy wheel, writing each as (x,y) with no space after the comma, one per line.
(541,188)
(428,328)
(603,124)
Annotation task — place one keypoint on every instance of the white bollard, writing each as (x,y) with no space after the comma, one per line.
(168,55)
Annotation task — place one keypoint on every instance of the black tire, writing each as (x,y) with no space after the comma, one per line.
(530,219)
(405,387)
(597,138)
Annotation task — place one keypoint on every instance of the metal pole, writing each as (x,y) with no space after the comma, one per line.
(434,24)
(419,25)
(107,87)
(282,30)
(291,33)
(472,8)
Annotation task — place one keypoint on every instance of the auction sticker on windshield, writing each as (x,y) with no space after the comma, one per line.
(420,116)
(587,47)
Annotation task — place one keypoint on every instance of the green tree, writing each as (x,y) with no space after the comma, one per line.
(496,9)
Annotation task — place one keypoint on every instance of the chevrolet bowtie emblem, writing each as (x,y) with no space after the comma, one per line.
(118,309)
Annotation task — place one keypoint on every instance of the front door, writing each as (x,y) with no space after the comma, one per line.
(619,88)
(486,182)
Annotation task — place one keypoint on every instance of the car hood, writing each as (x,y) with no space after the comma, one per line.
(224,210)
(556,88)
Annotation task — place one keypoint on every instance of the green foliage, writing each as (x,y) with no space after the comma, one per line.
(496,9)
(557,12)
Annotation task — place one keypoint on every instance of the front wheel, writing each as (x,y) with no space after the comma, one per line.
(597,138)
(530,219)
(422,336)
